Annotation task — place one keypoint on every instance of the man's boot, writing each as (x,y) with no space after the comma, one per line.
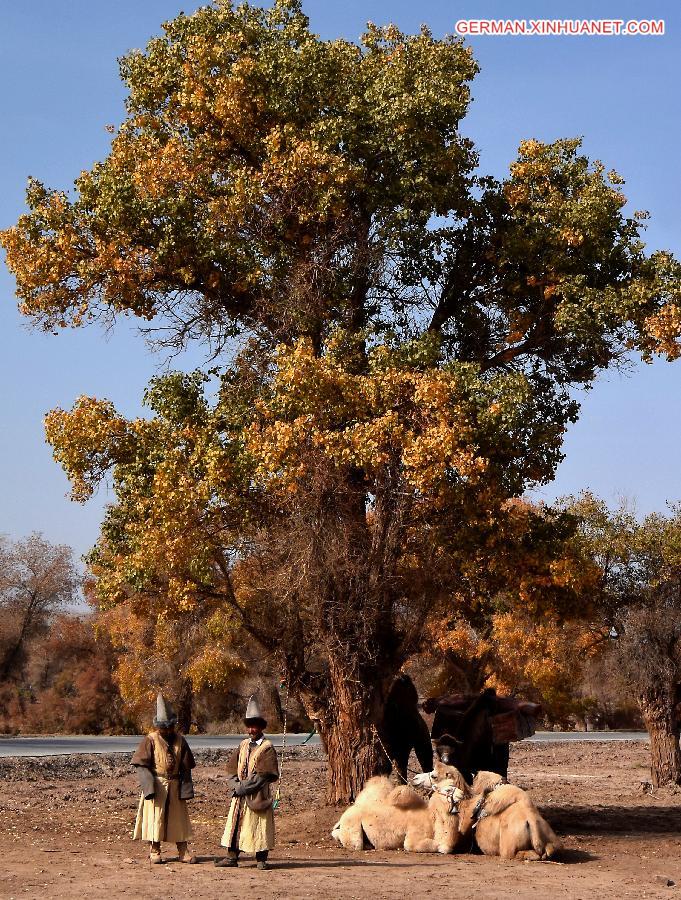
(228,862)
(155,852)
(183,855)
(261,859)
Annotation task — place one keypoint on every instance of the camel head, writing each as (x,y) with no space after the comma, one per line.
(446,779)
(447,749)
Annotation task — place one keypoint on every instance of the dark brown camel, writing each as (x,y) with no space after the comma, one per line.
(404,728)
(464,732)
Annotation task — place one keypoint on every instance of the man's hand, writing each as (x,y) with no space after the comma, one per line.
(249,786)
(239,790)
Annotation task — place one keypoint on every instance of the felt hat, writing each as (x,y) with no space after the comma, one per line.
(253,715)
(165,717)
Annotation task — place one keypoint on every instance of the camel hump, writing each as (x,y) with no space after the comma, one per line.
(403,797)
(375,790)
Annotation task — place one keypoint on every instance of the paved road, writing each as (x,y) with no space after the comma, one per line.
(550,737)
(53,746)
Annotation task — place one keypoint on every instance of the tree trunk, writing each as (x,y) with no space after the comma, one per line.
(361,649)
(185,705)
(275,704)
(660,722)
(349,723)
(466,676)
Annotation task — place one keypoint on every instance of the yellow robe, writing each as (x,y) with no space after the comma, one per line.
(248,830)
(164,816)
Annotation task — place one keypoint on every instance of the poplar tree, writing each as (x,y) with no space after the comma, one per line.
(394,339)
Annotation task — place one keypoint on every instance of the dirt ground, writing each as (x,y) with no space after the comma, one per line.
(65,829)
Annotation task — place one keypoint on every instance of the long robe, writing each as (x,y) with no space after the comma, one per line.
(163,817)
(247,829)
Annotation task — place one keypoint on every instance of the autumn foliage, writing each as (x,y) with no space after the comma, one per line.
(523,621)
(637,597)
(394,336)
(54,675)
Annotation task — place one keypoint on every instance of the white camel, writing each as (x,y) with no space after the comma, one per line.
(506,821)
(394,818)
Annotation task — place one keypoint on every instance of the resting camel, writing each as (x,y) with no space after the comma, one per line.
(386,817)
(506,821)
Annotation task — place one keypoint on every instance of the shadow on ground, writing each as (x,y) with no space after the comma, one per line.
(614,819)
(571,857)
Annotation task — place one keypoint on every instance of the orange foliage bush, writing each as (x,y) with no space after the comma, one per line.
(67,685)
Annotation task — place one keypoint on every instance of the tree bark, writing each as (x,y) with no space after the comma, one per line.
(661,724)
(275,704)
(467,676)
(185,705)
(349,723)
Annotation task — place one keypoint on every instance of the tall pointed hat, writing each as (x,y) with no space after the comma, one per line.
(253,714)
(165,717)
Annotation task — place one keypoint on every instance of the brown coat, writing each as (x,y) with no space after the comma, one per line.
(250,820)
(255,779)
(165,771)
(146,756)
(157,757)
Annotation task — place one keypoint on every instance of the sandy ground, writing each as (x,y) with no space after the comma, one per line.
(65,832)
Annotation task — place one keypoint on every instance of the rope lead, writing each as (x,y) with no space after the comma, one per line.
(277,799)
(389,757)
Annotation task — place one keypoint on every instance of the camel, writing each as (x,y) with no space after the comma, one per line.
(395,818)
(506,821)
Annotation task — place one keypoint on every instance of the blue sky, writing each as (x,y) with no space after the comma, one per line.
(58,66)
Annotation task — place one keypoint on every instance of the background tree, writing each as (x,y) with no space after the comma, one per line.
(185,653)
(407,334)
(69,687)
(639,598)
(54,676)
(521,618)
(37,579)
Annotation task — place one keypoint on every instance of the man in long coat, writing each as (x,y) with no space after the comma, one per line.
(252,769)
(164,762)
